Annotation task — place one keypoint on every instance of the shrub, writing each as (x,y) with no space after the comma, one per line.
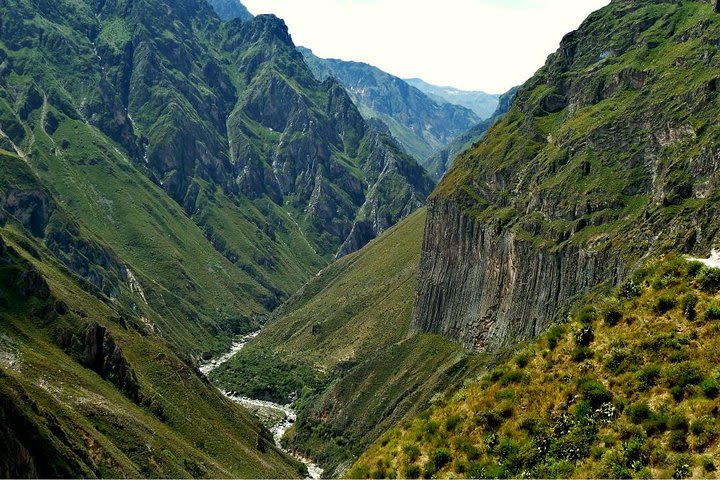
(689,304)
(440,457)
(639,412)
(678,441)
(648,376)
(412,452)
(594,392)
(682,468)
(466,446)
(580,354)
(587,315)
(664,304)
(708,464)
(515,376)
(486,470)
(709,279)
(620,360)
(678,422)
(452,422)
(411,471)
(683,376)
(710,388)
(712,312)
(705,432)
(489,418)
(694,268)
(555,333)
(523,359)
(629,289)
(613,315)
(430,428)
(584,337)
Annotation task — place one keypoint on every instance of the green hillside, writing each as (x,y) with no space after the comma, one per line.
(610,141)
(626,388)
(87,387)
(343,344)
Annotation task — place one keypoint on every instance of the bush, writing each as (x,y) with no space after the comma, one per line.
(440,457)
(580,354)
(411,472)
(555,333)
(467,446)
(639,412)
(678,422)
(629,289)
(613,315)
(452,422)
(489,418)
(523,359)
(584,337)
(709,279)
(412,452)
(710,388)
(689,304)
(587,315)
(708,464)
(664,304)
(648,377)
(683,376)
(712,312)
(594,392)
(694,268)
(705,432)
(678,441)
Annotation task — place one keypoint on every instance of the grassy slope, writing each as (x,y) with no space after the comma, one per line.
(343,342)
(642,111)
(184,427)
(639,401)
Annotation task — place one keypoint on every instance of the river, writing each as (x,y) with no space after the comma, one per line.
(277,418)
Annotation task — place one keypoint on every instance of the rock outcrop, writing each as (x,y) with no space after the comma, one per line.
(481,285)
(595,168)
(94,346)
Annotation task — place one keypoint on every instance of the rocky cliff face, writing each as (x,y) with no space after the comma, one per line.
(606,158)
(483,286)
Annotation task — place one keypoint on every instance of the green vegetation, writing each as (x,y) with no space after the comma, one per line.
(343,345)
(568,167)
(142,411)
(642,405)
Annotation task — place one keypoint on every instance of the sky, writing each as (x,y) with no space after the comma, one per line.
(488,45)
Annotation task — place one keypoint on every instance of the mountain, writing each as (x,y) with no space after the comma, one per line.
(168,179)
(605,160)
(344,344)
(627,389)
(88,387)
(230,9)
(483,104)
(440,162)
(422,125)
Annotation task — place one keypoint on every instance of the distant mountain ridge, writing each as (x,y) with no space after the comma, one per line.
(422,125)
(483,104)
(442,160)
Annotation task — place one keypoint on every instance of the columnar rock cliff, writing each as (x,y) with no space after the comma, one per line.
(607,157)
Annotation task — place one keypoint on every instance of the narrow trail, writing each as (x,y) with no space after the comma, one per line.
(278,418)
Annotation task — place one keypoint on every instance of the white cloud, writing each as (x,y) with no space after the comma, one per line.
(486,45)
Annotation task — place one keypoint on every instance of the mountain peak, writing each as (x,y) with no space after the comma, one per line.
(230,10)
